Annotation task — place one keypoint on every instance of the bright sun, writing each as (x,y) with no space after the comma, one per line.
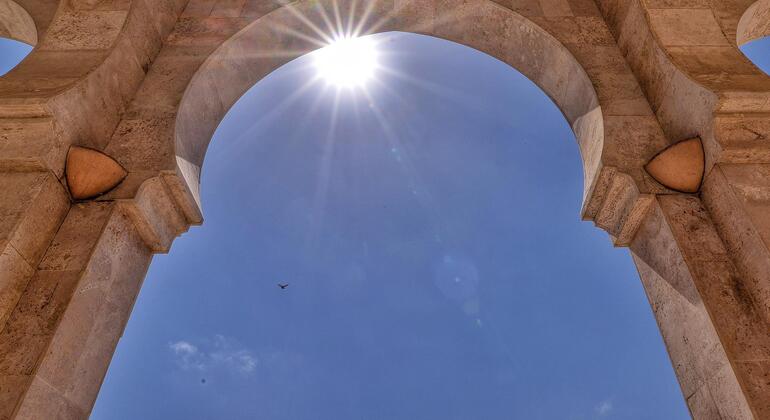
(347,62)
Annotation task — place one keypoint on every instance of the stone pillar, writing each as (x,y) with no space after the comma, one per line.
(713,327)
(59,339)
(32,205)
(738,198)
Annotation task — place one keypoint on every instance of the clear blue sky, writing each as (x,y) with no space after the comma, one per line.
(437,266)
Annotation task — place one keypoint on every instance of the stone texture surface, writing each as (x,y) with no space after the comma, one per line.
(148,81)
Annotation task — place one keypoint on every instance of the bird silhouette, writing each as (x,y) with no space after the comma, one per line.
(283,286)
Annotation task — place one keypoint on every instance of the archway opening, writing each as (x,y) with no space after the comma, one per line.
(753,34)
(428,230)
(18,35)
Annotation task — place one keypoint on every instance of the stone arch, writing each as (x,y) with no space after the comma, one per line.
(287,33)
(16,23)
(682,244)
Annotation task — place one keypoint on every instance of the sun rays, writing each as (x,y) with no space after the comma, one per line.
(336,33)
(342,60)
(347,62)
(347,58)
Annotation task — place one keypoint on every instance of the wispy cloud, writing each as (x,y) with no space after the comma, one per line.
(187,355)
(219,353)
(604,408)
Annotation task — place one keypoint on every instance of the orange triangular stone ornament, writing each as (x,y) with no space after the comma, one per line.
(91,173)
(679,167)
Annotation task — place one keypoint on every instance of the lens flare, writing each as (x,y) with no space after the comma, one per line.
(347,62)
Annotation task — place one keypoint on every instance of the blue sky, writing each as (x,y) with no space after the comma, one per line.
(11,53)
(438,268)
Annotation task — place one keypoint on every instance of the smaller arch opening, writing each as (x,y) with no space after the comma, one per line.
(753,34)
(758,51)
(18,35)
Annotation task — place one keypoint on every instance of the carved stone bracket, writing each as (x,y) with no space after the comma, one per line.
(617,206)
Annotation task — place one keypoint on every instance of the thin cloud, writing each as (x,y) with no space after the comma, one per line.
(219,353)
(604,408)
(187,355)
(183,348)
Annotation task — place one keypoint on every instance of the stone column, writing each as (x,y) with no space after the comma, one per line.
(713,328)
(738,198)
(59,338)
(32,206)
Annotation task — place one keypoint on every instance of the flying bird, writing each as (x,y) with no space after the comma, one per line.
(283,286)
